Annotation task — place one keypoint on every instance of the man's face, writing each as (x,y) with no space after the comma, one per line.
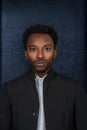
(40,52)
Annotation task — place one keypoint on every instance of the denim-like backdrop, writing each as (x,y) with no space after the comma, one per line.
(66,16)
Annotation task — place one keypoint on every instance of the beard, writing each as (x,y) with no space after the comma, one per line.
(41,66)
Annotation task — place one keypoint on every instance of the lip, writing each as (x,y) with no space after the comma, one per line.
(40,63)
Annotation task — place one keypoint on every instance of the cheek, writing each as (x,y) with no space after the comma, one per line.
(49,56)
(31,56)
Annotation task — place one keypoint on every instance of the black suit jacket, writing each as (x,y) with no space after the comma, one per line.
(65,104)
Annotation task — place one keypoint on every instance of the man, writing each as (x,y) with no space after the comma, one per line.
(42,99)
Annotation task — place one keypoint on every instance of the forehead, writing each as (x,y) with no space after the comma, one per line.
(40,37)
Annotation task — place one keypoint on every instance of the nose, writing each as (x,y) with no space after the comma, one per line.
(40,54)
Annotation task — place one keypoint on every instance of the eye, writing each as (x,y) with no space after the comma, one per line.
(32,49)
(47,49)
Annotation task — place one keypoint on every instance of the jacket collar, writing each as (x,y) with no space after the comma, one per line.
(49,75)
(47,79)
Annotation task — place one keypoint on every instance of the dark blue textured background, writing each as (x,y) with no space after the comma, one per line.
(68,18)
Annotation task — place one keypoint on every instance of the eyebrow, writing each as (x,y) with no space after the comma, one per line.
(36,46)
(48,45)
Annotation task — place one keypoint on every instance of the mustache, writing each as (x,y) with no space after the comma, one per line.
(39,60)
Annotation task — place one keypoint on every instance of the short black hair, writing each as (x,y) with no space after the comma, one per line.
(40,28)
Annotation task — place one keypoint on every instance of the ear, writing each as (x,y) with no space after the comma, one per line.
(55,53)
(26,55)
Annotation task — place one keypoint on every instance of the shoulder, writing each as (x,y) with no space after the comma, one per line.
(68,86)
(17,82)
(66,83)
(21,78)
(64,79)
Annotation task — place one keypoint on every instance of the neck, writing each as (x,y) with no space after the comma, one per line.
(42,74)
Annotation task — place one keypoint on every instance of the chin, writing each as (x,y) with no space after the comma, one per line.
(40,70)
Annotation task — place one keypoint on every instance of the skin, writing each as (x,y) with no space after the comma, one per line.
(40,53)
